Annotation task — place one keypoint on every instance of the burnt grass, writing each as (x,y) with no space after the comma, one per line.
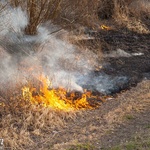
(135,68)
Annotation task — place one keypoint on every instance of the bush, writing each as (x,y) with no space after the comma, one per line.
(38,11)
(128,13)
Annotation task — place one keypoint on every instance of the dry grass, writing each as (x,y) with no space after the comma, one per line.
(69,14)
(127,13)
(131,14)
(39,11)
(80,12)
(23,125)
(26,126)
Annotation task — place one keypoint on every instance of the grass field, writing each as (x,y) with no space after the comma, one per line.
(122,121)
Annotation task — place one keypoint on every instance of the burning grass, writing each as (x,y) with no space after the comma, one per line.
(32,116)
(29,120)
(58,98)
(24,123)
(126,13)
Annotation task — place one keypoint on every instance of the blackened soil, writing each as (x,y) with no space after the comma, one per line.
(124,39)
(136,68)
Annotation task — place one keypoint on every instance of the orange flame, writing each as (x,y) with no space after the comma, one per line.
(56,98)
(104,27)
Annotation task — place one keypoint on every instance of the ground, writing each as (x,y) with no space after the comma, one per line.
(121,122)
(116,123)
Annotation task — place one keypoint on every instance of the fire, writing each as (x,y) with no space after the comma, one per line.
(104,27)
(57,98)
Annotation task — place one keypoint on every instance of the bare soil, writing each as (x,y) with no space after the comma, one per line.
(117,121)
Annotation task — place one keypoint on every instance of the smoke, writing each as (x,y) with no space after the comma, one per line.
(23,56)
(12,21)
(59,60)
(104,83)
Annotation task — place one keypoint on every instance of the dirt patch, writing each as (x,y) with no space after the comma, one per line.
(136,126)
(100,126)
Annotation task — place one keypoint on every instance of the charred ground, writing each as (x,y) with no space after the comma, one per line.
(125,53)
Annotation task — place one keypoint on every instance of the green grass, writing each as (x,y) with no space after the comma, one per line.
(148,126)
(85,146)
(116,148)
(128,117)
(133,145)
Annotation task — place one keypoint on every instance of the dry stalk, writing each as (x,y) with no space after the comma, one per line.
(39,11)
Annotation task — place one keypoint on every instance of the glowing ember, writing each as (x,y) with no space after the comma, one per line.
(105,27)
(57,98)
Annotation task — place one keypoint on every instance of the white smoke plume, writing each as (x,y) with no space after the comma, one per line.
(60,61)
(23,56)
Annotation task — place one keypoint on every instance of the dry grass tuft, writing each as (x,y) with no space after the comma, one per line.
(79,12)
(26,126)
(127,13)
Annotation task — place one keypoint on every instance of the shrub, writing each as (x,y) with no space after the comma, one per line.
(69,13)
(38,11)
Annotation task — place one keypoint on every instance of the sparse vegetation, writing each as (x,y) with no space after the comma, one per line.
(70,14)
(82,147)
(133,145)
(39,11)
(129,117)
(148,126)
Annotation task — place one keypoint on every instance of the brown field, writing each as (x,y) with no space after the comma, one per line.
(122,121)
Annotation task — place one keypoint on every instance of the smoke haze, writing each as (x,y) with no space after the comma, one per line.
(60,61)
(23,56)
